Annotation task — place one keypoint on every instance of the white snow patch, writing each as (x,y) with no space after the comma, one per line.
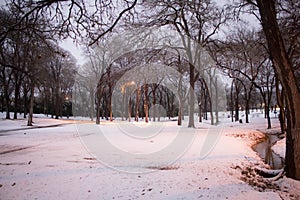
(279,148)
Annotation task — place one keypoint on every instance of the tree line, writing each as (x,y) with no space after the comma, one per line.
(32,64)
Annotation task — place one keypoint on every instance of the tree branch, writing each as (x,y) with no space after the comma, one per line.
(114,24)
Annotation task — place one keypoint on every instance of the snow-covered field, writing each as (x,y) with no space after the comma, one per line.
(68,161)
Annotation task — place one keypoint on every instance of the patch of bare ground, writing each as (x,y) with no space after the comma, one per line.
(10,149)
(263,179)
(252,138)
(169,167)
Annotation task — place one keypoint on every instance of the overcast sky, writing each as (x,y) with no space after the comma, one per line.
(74,49)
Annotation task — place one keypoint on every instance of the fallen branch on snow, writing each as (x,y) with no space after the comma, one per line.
(271,175)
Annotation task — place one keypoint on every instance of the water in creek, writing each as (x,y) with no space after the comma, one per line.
(265,151)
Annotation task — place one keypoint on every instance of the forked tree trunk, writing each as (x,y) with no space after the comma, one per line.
(284,71)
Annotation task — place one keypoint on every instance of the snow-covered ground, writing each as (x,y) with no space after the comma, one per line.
(67,161)
(39,121)
(279,148)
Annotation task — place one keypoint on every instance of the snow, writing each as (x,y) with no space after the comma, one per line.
(39,121)
(279,148)
(58,162)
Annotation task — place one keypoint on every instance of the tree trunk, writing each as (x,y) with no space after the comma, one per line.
(216,101)
(171,106)
(2,103)
(160,102)
(200,112)
(281,117)
(179,120)
(97,103)
(247,109)
(110,109)
(97,113)
(7,102)
(45,98)
(57,102)
(17,100)
(110,104)
(62,101)
(25,103)
(231,101)
(200,101)
(248,97)
(205,105)
(123,105)
(92,107)
(280,101)
(237,109)
(30,116)
(129,109)
(211,113)
(284,71)
(146,103)
(267,111)
(154,103)
(191,123)
(137,104)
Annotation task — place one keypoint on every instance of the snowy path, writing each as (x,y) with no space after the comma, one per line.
(52,163)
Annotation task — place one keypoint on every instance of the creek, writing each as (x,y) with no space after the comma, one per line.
(264,150)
